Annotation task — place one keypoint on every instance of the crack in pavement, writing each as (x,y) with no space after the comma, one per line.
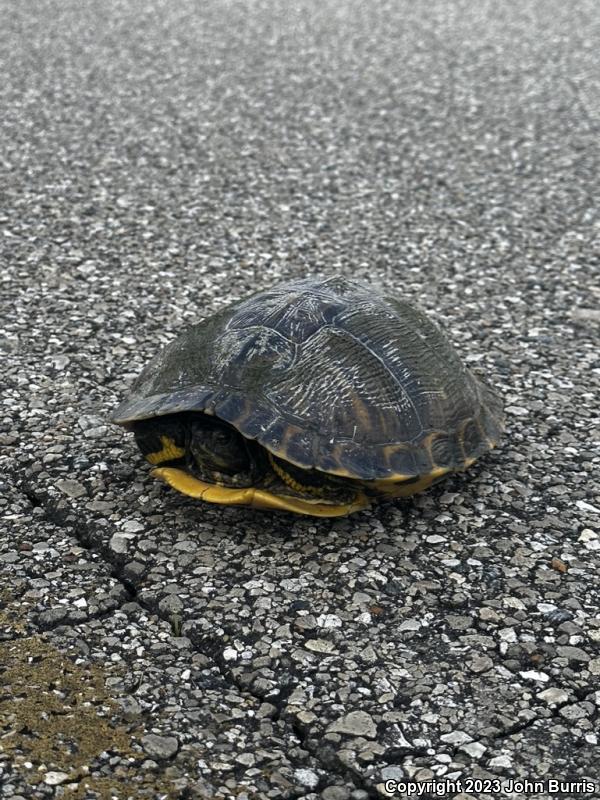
(82,531)
(62,514)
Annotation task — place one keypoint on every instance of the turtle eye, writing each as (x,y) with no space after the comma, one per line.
(215,446)
(222,436)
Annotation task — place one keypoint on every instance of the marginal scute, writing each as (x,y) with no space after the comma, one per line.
(192,398)
(296,446)
(442,450)
(470,438)
(232,408)
(329,463)
(423,460)
(254,421)
(274,435)
(401,461)
(355,461)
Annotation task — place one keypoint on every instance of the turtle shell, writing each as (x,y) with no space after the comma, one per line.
(326,374)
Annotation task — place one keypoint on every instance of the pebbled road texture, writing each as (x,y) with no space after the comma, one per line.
(159,160)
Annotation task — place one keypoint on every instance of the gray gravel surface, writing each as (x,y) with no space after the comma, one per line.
(157,161)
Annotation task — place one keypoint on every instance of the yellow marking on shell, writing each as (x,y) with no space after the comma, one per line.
(168,452)
(390,488)
(427,443)
(282,448)
(390,480)
(337,455)
(362,413)
(389,451)
(285,437)
(293,484)
(256,498)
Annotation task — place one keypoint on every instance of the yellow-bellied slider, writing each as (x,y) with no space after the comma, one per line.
(314,396)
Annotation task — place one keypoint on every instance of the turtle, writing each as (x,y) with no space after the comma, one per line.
(315,396)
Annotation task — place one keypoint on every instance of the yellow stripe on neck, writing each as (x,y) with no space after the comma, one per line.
(293,484)
(169,452)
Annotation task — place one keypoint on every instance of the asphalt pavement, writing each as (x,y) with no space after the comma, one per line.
(159,160)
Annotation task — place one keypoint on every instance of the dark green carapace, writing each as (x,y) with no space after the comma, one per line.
(314,396)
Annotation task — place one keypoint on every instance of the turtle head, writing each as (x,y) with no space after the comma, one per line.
(204,445)
(202,456)
(216,450)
